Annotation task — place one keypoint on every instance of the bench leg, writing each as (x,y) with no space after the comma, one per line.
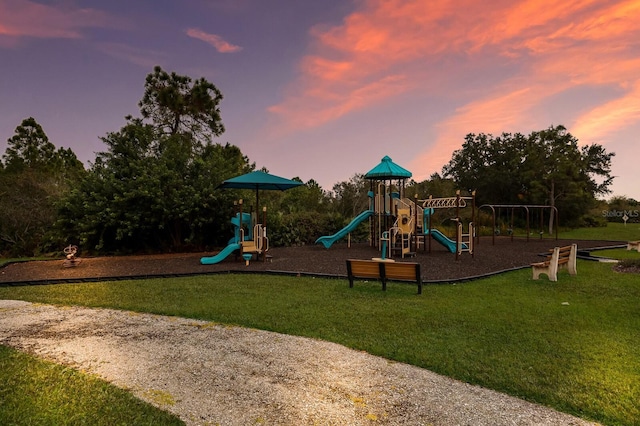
(550,274)
(538,271)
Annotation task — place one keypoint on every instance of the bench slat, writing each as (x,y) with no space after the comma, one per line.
(401,271)
(365,270)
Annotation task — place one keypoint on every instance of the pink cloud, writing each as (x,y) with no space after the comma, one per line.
(143,57)
(214,40)
(24,18)
(620,113)
(534,50)
(505,111)
(381,40)
(328,105)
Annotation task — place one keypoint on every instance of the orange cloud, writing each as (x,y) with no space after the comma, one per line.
(328,105)
(495,114)
(608,118)
(214,40)
(24,18)
(372,46)
(532,50)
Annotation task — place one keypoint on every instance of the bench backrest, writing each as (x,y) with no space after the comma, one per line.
(401,271)
(564,252)
(364,268)
(404,271)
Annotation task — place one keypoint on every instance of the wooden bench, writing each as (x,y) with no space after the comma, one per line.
(560,257)
(633,245)
(384,271)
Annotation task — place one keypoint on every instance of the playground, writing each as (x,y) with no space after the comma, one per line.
(437,266)
(401,228)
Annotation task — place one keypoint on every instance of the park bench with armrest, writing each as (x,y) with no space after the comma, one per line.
(384,271)
(560,257)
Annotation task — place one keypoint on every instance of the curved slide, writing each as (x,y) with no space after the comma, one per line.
(328,240)
(437,235)
(220,256)
(444,240)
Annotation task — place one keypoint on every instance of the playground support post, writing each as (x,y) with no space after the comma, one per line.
(459,227)
(415,224)
(264,234)
(241,230)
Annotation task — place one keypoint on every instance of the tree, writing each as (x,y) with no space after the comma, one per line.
(435,186)
(309,197)
(620,206)
(154,187)
(175,106)
(34,179)
(559,173)
(351,197)
(29,147)
(490,166)
(547,167)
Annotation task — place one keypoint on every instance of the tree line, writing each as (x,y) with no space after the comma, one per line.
(154,187)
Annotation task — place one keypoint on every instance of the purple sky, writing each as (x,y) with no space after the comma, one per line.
(324,89)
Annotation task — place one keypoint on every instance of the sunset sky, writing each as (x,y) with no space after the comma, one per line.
(324,89)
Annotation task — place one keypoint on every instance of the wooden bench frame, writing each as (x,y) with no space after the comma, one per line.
(384,271)
(561,257)
(633,245)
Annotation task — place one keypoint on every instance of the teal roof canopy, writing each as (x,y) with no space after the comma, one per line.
(387,169)
(259,180)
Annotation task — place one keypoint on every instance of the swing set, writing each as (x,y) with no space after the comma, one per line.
(538,209)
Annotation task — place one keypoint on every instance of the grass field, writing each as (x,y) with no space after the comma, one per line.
(571,345)
(613,231)
(36,392)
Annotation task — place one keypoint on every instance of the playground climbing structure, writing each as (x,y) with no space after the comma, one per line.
(250,238)
(399,225)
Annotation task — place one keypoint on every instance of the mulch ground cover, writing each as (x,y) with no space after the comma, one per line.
(438,265)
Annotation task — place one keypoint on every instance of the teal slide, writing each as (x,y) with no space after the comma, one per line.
(444,240)
(220,256)
(437,235)
(328,240)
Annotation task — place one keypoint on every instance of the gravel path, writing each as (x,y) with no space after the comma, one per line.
(208,373)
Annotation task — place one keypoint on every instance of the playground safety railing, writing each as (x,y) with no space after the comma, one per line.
(397,235)
(464,241)
(260,234)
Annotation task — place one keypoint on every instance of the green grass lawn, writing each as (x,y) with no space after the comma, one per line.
(620,254)
(572,345)
(36,392)
(613,231)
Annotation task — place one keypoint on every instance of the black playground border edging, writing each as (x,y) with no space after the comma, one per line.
(193,274)
(584,254)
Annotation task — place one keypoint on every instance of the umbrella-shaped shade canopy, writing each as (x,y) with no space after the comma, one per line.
(259,180)
(387,169)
